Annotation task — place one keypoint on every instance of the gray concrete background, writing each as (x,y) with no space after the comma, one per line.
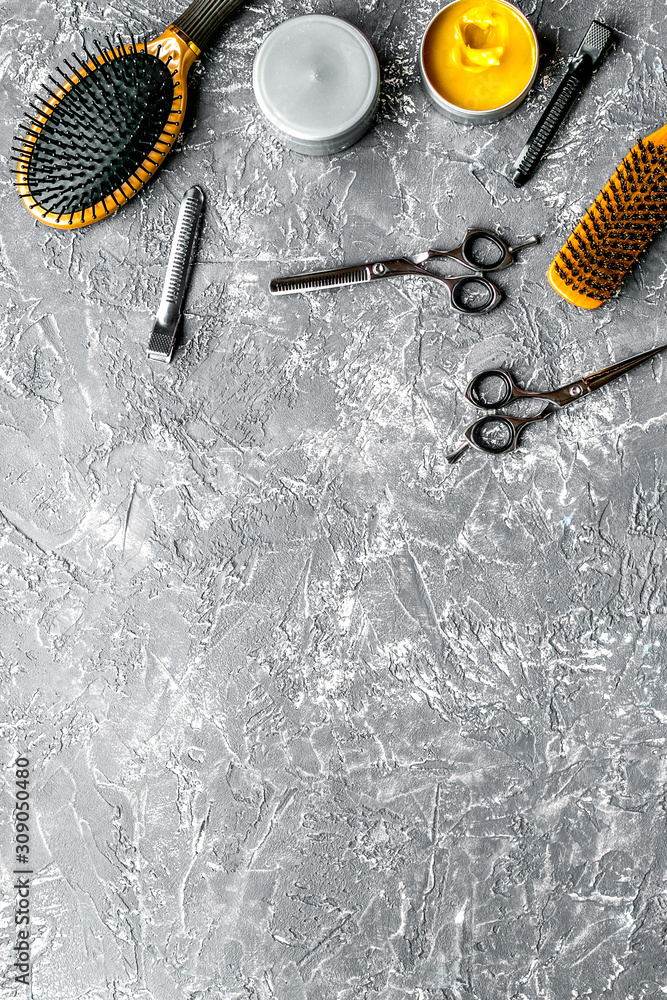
(312,714)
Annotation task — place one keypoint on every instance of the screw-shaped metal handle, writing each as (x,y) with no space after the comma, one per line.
(163,336)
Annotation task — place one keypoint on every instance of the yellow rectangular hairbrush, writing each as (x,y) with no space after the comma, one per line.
(620,223)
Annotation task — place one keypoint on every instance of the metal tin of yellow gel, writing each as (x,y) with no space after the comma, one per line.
(467,115)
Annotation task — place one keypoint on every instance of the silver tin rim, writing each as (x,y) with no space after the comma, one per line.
(465,115)
(329,145)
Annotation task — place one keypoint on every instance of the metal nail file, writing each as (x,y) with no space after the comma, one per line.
(163,335)
(590,53)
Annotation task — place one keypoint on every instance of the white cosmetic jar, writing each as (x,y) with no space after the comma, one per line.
(316,80)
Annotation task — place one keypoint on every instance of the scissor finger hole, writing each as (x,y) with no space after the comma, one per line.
(483,251)
(490,390)
(494,434)
(472,295)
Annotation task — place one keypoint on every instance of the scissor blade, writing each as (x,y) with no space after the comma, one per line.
(454,455)
(318,280)
(606,375)
(573,391)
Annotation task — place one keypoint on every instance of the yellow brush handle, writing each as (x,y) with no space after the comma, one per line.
(178,52)
(571,294)
(597,282)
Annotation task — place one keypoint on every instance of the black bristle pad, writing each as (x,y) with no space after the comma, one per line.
(620,223)
(101,131)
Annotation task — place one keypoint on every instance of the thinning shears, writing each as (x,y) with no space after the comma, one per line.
(498,433)
(481,252)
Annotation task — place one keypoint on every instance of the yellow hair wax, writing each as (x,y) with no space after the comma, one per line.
(479,56)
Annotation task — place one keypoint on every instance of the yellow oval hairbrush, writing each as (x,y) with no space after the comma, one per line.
(105,125)
(622,220)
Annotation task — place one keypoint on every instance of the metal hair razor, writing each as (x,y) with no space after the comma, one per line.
(163,335)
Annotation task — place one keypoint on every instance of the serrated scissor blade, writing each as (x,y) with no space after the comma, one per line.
(317,280)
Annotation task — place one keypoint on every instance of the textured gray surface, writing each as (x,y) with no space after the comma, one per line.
(313,715)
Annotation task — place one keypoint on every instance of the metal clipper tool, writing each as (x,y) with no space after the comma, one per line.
(585,60)
(163,335)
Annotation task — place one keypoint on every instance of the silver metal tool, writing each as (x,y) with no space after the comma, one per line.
(163,335)
(481,252)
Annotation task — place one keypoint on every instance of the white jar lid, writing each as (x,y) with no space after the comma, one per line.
(316,78)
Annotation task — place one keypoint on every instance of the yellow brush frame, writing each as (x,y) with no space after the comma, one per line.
(178,53)
(598,214)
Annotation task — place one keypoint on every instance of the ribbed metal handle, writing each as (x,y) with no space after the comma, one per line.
(317,280)
(161,344)
(181,250)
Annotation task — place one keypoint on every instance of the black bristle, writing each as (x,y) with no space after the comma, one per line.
(578,257)
(606,202)
(75,74)
(625,216)
(104,59)
(561,273)
(79,149)
(613,187)
(627,170)
(51,93)
(63,74)
(89,56)
(586,229)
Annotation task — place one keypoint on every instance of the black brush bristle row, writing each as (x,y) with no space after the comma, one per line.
(91,133)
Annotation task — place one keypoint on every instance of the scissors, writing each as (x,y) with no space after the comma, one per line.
(481,251)
(499,433)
